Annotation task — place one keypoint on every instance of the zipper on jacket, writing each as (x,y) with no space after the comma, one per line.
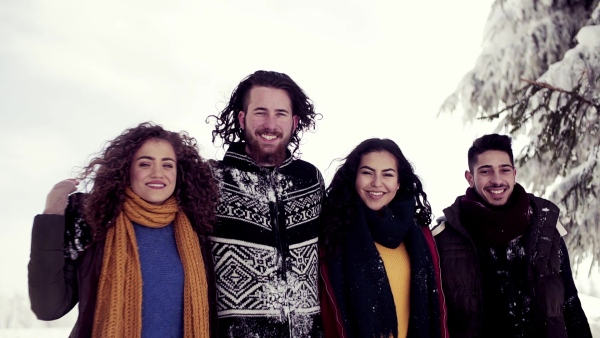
(276,225)
(281,257)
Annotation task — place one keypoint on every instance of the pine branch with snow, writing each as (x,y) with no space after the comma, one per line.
(566,151)
(538,78)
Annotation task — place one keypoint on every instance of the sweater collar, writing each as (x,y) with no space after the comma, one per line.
(236,156)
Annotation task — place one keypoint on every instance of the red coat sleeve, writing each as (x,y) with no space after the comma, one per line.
(436,267)
(332,319)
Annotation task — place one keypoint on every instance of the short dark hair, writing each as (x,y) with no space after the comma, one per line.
(227,125)
(490,142)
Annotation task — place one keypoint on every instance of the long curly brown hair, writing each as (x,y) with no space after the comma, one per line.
(227,125)
(339,204)
(196,190)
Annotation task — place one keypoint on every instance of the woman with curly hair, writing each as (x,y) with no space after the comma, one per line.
(133,251)
(379,266)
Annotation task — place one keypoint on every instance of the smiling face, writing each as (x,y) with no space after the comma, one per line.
(493,177)
(377,179)
(268,123)
(153,173)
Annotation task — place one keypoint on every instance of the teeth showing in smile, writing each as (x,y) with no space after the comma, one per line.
(155,185)
(268,137)
(496,192)
(376,193)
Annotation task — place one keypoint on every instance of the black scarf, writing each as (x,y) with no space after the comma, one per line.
(360,283)
(493,225)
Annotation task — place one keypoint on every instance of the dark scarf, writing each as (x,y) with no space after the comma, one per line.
(495,226)
(360,283)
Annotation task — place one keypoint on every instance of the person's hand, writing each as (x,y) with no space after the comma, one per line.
(58,197)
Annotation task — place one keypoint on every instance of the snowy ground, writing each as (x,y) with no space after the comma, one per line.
(57,332)
(591,306)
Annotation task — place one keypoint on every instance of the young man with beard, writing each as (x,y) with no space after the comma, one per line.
(265,240)
(504,265)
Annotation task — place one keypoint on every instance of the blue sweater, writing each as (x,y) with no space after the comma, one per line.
(162,279)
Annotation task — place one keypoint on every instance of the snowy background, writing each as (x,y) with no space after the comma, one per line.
(75,74)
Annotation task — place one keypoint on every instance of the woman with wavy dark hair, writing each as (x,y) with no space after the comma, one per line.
(132,252)
(379,266)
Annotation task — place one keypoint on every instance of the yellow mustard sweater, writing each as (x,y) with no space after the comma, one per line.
(397,268)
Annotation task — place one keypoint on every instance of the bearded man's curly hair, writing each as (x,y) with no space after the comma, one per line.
(227,125)
(196,190)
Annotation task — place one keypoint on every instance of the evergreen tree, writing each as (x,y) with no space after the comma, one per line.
(538,78)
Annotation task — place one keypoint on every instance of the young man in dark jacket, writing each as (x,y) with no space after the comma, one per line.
(505,267)
(265,240)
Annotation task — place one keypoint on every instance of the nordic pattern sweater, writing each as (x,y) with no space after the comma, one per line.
(265,247)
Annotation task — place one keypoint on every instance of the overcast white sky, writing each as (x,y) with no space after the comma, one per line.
(74,74)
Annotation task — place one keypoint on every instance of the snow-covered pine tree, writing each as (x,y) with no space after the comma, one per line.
(538,77)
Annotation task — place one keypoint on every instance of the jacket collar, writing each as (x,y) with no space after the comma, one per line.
(541,207)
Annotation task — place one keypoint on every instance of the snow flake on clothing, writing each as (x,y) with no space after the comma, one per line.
(248,197)
(78,234)
(512,305)
(265,247)
(248,283)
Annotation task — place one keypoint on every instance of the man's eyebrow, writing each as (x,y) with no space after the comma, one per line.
(488,166)
(259,108)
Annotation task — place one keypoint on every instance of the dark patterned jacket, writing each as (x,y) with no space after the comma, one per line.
(265,247)
(556,309)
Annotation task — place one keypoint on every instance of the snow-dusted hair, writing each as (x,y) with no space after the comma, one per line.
(490,142)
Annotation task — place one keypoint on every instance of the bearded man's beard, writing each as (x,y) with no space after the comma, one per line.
(271,155)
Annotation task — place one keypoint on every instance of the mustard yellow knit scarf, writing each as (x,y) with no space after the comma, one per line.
(119,300)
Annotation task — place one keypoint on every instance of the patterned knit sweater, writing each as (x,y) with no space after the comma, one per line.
(265,247)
